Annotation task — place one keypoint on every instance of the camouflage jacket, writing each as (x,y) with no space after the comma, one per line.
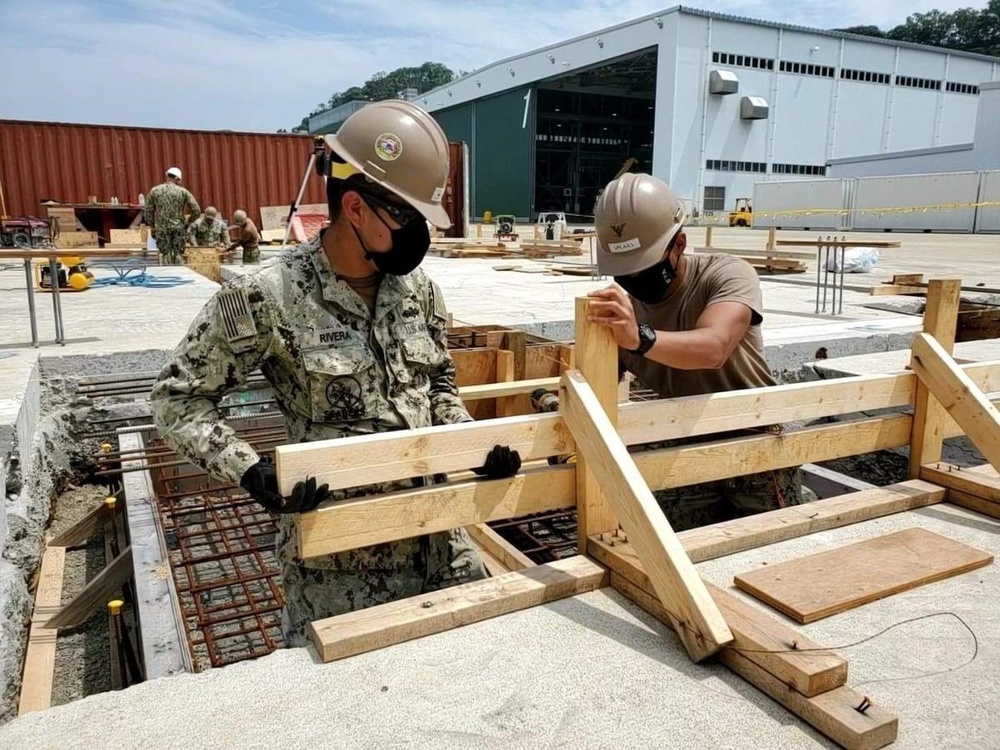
(335,370)
(164,209)
(207,232)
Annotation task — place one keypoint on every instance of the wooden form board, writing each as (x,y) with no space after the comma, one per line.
(976,488)
(817,586)
(403,620)
(489,540)
(102,587)
(40,657)
(696,619)
(782,673)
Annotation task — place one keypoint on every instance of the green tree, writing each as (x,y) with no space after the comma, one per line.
(389,85)
(965,29)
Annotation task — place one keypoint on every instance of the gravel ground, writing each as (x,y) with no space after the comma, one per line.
(83,661)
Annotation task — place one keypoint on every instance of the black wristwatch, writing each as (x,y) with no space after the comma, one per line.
(647,337)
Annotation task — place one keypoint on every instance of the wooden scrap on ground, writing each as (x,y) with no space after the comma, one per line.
(817,586)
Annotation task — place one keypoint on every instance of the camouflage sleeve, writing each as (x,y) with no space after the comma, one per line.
(193,205)
(149,209)
(446,406)
(227,341)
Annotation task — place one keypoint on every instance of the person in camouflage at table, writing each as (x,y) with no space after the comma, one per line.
(352,337)
(209,230)
(164,213)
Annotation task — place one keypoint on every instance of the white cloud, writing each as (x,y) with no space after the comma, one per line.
(259,66)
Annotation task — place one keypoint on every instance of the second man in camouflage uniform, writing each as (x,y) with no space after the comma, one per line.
(209,230)
(164,213)
(352,337)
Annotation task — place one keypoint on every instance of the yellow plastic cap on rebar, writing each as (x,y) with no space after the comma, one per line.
(115,606)
(106,447)
(110,501)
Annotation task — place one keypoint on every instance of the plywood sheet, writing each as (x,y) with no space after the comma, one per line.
(811,588)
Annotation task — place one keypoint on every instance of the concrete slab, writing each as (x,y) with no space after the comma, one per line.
(592,671)
(896,361)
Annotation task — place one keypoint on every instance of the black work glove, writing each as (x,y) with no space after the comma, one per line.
(501,462)
(261,481)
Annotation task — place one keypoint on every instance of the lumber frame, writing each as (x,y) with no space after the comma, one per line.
(405,619)
(506,553)
(975,488)
(356,461)
(940,322)
(694,616)
(959,396)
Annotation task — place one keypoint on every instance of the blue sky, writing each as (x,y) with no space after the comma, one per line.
(263,64)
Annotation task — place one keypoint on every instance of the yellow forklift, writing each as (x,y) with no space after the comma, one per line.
(743,215)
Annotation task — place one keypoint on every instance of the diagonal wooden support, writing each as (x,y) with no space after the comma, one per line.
(697,620)
(80,532)
(940,322)
(95,594)
(960,397)
(403,620)
(509,556)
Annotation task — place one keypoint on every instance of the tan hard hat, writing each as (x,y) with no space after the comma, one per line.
(403,149)
(211,212)
(239,216)
(637,216)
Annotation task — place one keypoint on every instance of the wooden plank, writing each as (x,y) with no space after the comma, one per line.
(129,236)
(698,622)
(72,240)
(959,396)
(813,672)
(349,524)
(974,502)
(689,416)
(597,359)
(493,566)
(349,462)
(505,374)
(396,622)
(80,532)
(799,663)
(940,321)
(834,713)
(474,366)
(888,290)
(964,480)
(793,521)
(510,556)
(105,585)
(499,390)
(40,656)
(817,586)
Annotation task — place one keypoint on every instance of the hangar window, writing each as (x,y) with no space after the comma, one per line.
(865,76)
(805,69)
(802,169)
(913,82)
(715,199)
(962,88)
(743,61)
(725,165)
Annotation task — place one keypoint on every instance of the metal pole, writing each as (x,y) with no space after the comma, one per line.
(819,269)
(843,270)
(298,199)
(56,302)
(826,271)
(32,316)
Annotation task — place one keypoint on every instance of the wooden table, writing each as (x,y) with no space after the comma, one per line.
(824,247)
(51,256)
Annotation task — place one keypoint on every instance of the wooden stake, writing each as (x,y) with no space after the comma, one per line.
(940,321)
(597,359)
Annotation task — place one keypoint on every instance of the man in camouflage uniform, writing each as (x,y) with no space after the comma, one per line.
(352,337)
(209,230)
(249,238)
(164,213)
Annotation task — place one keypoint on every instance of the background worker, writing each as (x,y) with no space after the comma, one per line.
(249,238)
(209,230)
(164,212)
(352,337)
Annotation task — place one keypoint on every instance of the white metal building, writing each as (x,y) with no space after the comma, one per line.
(708,102)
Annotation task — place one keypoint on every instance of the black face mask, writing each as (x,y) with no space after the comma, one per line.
(409,246)
(651,284)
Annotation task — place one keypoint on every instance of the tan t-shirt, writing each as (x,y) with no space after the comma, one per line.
(708,279)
